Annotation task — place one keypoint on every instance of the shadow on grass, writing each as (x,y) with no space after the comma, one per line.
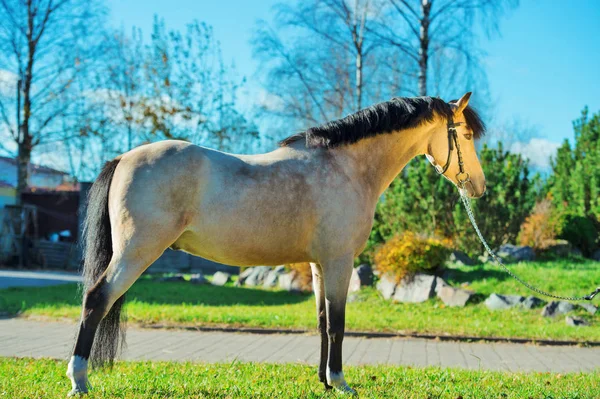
(14,300)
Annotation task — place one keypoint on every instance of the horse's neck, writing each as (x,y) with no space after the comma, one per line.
(379,159)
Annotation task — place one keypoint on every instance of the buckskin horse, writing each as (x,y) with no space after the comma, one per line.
(311,200)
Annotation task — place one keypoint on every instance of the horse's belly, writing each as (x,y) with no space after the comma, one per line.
(242,249)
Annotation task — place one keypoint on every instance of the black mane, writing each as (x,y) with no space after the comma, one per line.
(397,114)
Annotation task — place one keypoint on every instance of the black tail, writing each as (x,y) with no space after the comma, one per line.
(97,254)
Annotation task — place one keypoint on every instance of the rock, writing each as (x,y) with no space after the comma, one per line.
(532,302)
(560,248)
(417,289)
(596,255)
(176,277)
(576,321)
(454,296)
(501,302)
(439,284)
(198,278)
(365,274)
(220,278)
(244,274)
(589,307)
(514,253)
(257,277)
(556,308)
(386,285)
(289,282)
(272,277)
(460,258)
(354,281)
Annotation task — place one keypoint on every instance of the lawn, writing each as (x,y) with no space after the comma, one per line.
(181,303)
(27,378)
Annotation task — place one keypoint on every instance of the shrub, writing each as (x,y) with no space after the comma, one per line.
(579,231)
(540,228)
(408,253)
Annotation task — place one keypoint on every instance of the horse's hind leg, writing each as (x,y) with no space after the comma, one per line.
(319,289)
(336,278)
(125,266)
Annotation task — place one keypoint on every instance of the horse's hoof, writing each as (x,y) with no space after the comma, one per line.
(77,392)
(345,389)
(327,386)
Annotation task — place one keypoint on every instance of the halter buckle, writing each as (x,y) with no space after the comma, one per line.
(461,181)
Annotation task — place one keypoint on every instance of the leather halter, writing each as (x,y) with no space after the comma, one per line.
(462,177)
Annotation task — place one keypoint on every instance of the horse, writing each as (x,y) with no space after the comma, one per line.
(311,200)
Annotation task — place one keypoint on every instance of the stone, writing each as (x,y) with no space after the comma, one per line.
(387,286)
(454,296)
(596,255)
(365,274)
(417,289)
(198,278)
(532,302)
(501,302)
(439,284)
(589,307)
(556,308)
(560,248)
(272,278)
(462,259)
(288,282)
(244,274)
(220,278)
(514,253)
(257,277)
(575,321)
(176,277)
(354,281)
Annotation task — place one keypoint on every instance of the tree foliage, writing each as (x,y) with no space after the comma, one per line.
(421,201)
(574,186)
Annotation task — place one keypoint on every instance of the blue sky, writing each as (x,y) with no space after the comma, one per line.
(542,69)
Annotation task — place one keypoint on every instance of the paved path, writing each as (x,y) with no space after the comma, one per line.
(11,278)
(26,338)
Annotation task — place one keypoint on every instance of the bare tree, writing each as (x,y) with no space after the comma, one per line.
(45,45)
(328,63)
(440,29)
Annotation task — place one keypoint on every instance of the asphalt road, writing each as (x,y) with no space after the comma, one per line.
(13,278)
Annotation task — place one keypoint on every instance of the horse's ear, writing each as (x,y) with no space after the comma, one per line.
(462,103)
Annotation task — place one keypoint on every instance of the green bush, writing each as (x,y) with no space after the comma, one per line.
(579,231)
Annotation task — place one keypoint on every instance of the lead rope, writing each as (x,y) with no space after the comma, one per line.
(467,205)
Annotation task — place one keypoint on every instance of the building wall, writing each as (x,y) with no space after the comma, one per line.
(37,178)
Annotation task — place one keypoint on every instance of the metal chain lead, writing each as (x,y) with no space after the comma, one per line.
(467,205)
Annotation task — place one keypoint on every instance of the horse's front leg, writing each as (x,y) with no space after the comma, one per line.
(336,277)
(318,288)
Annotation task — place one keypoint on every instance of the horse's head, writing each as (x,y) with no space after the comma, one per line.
(455,140)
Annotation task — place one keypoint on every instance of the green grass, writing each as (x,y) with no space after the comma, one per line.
(180,303)
(27,378)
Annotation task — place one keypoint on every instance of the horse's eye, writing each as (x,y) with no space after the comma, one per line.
(468,136)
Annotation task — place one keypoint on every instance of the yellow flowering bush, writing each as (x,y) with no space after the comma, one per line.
(408,253)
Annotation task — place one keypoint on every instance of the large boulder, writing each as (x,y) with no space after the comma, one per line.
(290,282)
(257,276)
(589,307)
(532,302)
(462,259)
(501,302)
(560,248)
(272,278)
(220,278)
(365,274)
(245,273)
(556,308)
(596,255)
(387,286)
(514,253)
(198,278)
(173,278)
(454,296)
(575,321)
(417,289)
